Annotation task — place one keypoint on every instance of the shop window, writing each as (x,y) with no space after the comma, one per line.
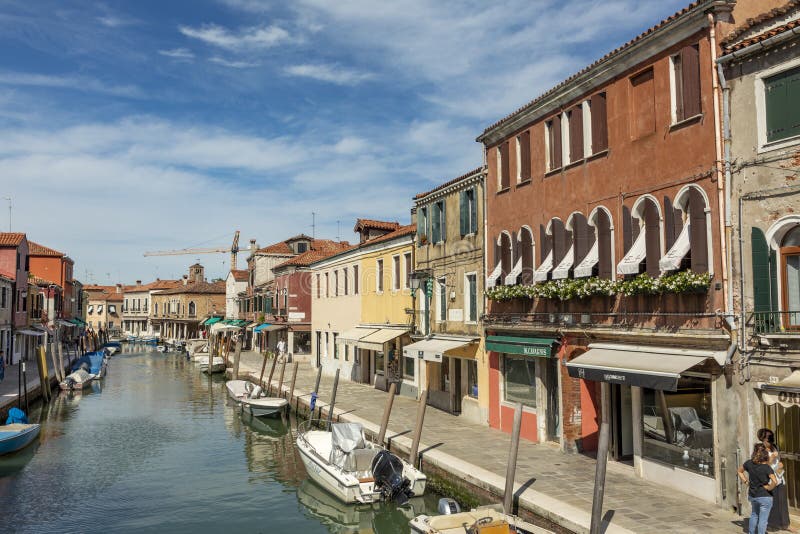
(519,379)
(678,426)
(408,368)
(379,362)
(302,343)
(782,102)
(472,378)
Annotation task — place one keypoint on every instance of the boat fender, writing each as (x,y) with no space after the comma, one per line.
(313,401)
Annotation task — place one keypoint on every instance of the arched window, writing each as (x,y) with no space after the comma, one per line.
(687,232)
(552,242)
(599,258)
(526,253)
(502,260)
(192,309)
(642,236)
(577,241)
(776,273)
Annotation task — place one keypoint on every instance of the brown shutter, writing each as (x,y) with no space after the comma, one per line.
(690,70)
(527,256)
(583,236)
(576,134)
(559,241)
(505,172)
(505,255)
(599,123)
(627,229)
(653,239)
(698,233)
(604,268)
(555,143)
(525,155)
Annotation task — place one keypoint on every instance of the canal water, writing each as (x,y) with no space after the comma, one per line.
(156,447)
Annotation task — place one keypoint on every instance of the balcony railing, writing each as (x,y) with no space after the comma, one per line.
(607,320)
(776,322)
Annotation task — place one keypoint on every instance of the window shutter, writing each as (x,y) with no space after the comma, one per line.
(555,142)
(783,112)
(698,233)
(584,239)
(690,70)
(559,241)
(599,123)
(605,269)
(525,156)
(463,203)
(546,242)
(443,221)
(576,134)
(473,212)
(765,279)
(473,299)
(504,164)
(420,225)
(652,240)
(435,223)
(627,229)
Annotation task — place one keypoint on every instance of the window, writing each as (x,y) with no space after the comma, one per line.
(192,309)
(379,276)
(472,378)
(575,120)
(790,270)
(524,157)
(685,84)
(553,139)
(409,367)
(471,292)
(327,285)
(519,379)
(302,343)
(678,426)
(335,346)
(504,172)
(408,269)
(438,223)
(441,286)
(346,276)
(526,255)
(641,238)
(346,352)
(782,102)
(302,247)
(422,226)
(643,120)
(686,232)
(395,273)
(355,279)
(468,212)
(335,283)
(319,286)
(155,308)
(4,297)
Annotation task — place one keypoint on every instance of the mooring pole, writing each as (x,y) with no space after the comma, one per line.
(263,366)
(236,357)
(271,371)
(294,378)
(280,377)
(423,402)
(602,459)
(511,469)
(25,385)
(333,400)
(319,377)
(210,356)
(386,411)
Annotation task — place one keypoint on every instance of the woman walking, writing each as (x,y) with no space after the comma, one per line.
(761,481)
(779,514)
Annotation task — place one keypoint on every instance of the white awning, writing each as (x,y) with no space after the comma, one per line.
(216,328)
(354,335)
(786,392)
(375,340)
(27,332)
(112,308)
(630,263)
(562,271)
(99,308)
(540,275)
(672,260)
(587,264)
(434,349)
(638,365)
(90,309)
(491,280)
(511,278)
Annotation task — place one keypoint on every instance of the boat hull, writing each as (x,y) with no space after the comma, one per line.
(323,476)
(17,436)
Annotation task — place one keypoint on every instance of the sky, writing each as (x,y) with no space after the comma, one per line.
(145,125)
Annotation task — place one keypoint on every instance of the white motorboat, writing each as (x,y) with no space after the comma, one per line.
(217,365)
(80,379)
(355,470)
(253,398)
(482,519)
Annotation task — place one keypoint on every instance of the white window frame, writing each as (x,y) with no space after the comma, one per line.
(518,149)
(404,269)
(397,273)
(499,161)
(379,275)
(467,301)
(761,108)
(586,107)
(564,139)
(441,313)
(548,165)
(673,90)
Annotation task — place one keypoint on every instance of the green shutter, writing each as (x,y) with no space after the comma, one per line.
(463,204)
(422,224)
(436,218)
(473,212)
(443,221)
(473,298)
(782,94)
(765,278)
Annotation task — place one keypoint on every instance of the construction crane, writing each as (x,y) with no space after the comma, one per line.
(234,249)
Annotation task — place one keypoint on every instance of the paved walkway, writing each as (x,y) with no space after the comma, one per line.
(556,483)
(10,384)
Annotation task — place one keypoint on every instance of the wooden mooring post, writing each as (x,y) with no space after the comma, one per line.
(387,410)
(294,378)
(333,400)
(271,372)
(511,469)
(423,403)
(602,460)
(263,366)
(237,357)
(280,378)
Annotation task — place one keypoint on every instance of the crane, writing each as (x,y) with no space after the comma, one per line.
(233,249)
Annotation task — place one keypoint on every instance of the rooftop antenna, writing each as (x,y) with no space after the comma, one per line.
(313,225)
(9,212)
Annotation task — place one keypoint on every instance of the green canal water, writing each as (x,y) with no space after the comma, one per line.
(156,447)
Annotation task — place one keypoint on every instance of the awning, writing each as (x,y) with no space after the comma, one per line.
(273,327)
(587,264)
(562,271)
(785,392)
(491,280)
(354,335)
(511,278)
(630,263)
(62,322)
(540,275)
(638,365)
(220,327)
(112,309)
(212,320)
(375,340)
(434,348)
(672,259)
(27,332)
(528,346)
(261,327)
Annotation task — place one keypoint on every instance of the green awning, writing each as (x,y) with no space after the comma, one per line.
(211,320)
(528,346)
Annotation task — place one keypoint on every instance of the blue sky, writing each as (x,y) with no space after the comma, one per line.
(149,125)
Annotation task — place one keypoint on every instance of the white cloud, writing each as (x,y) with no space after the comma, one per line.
(115,21)
(78,83)
(178,53)
(256,37)
(233,63)
(328,73)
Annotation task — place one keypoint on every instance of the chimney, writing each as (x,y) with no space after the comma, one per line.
(119,288)
(138,282)
(185,279)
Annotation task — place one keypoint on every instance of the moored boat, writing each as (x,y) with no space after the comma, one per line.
(356,470)
(77,381)
(113,347)
(484,519)
(17,433)
(217,365)
(253,398)
(95,363)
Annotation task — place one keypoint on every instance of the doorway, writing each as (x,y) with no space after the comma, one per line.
(785,422)
(553,421)
(621,424)
(319,348)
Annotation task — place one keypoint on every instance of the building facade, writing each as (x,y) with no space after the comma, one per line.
(448,356)
(104,308)
(235,283)
(15,263)
(178,311)
(6,315)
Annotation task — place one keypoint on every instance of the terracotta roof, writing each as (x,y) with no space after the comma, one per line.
(409,229)
(107,289)
(320,249)
(206,288)
(450,182)
(276,248)
(241,275)
(108,297)
(11,239)
(6,276)
(607,57)
(43,282)
(35,249)
(729,42)
(371,223)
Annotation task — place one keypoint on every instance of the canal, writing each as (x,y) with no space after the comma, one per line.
(156,447)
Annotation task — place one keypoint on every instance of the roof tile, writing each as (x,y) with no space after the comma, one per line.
(35,249)
(449,182)
(11,239)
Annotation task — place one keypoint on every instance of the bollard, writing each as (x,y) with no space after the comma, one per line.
(423,402)
(508,496)
(386,411)
(280,379)
(333,400)
(294,378)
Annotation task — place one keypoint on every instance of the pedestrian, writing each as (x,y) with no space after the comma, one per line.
(281,347)
(779,514)
(761,481)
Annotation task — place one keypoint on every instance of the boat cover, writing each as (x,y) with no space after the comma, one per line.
(94,360)
(80,376)
(15,415)
(345,438)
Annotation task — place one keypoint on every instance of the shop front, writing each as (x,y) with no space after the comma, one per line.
(352,361)
(662,410)
(524,369)
(781,413)
(378,353)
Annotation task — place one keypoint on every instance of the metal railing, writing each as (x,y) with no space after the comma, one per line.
(775,322)
(590,319)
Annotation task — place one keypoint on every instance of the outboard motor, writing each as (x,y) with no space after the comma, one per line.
(387,470)
(448,506)
(85,366)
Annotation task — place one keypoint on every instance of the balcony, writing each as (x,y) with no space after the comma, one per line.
(776,323)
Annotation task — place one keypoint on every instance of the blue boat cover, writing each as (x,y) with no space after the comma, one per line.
(94,360)
(15,415)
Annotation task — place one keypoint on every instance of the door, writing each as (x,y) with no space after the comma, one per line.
(786,424)
(553,422)
(621,423)
(319,349)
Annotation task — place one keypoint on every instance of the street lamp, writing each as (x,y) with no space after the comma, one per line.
(421,279)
